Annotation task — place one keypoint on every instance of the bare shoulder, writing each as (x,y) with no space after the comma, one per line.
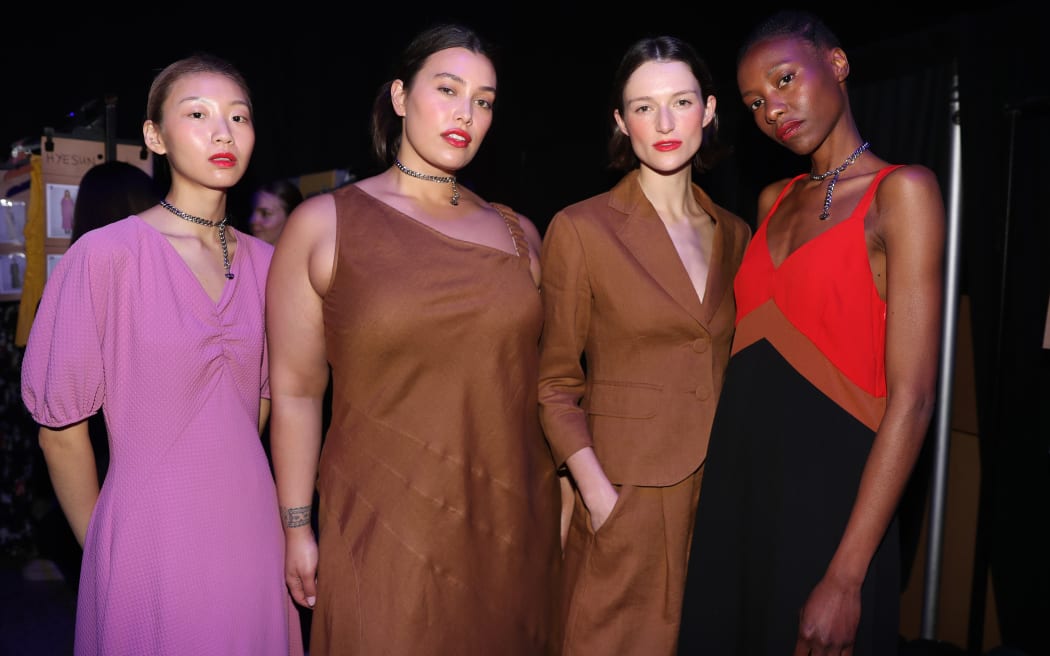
(312,218)
(532,233)
(314,208)
(908,211)
(910,194)
(308,235)
(768,196)
(532,236)
(911,179)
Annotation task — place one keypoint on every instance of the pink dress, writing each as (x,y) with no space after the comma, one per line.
(184,551)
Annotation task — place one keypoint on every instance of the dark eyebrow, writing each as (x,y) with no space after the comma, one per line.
(693,91)
(453,76)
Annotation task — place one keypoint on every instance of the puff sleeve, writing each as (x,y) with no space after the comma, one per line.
(62,371)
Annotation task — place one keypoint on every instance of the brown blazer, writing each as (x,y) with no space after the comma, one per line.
(616,292)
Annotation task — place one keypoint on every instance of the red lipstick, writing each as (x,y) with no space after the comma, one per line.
(224,159)
(667,146)
(787,129)
(457,138)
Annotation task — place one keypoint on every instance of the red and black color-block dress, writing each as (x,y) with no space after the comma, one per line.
(804,393)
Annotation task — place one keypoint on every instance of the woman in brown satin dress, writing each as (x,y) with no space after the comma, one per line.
(439,502)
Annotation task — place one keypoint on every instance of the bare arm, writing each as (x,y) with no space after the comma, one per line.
(911,228)
(299,275)
(71,465)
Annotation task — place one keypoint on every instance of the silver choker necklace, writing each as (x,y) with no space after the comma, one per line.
(432,178)
(221,225)
(834,173)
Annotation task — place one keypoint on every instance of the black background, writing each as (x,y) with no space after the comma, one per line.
(314,72)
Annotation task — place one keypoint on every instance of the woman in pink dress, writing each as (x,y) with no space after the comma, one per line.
(158,319)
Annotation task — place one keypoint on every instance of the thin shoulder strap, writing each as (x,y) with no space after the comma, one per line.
(780,196)
(521,245)
(865,200)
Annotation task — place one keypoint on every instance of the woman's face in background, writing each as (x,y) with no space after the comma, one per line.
(268,216)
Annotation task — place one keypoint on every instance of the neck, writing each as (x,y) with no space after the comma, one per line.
(670,194)
(439,179)
(207,223)
(832,176)
(835,149)
(210,206)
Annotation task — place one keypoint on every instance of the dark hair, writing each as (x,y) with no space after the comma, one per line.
(796,23)
(386,124)
(662,49)
(111,191)
(286,191)
(203,62)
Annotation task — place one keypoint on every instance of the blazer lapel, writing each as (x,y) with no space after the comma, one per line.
(644,235)
(719,270)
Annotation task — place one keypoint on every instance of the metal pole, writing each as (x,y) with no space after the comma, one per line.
(947,362)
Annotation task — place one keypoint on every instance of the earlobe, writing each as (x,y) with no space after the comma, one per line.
(151,135)
(620,124)
(841,64)
(709,112)
(397,97)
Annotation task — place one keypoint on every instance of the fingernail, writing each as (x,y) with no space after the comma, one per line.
(311,601)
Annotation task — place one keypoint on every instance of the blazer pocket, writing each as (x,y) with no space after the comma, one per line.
(623,399)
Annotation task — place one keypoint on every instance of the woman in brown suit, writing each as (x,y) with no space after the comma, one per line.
(639,312)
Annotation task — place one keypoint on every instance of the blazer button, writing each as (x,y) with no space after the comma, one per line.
(700,345)
(703,393)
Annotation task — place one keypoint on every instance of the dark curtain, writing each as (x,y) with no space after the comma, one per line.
(1005,138)
(904,111)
